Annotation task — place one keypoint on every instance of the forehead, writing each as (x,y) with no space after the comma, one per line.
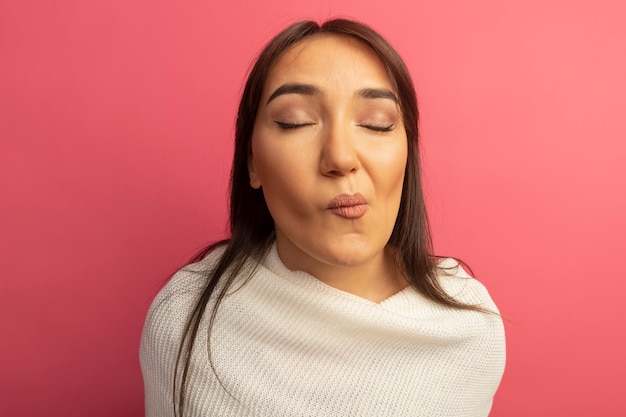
(330,61)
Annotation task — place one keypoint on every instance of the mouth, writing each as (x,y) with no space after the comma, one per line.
(348,206)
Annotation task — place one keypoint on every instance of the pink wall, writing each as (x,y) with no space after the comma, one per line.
(116,119)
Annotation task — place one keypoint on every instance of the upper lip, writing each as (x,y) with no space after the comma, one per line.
(347,200)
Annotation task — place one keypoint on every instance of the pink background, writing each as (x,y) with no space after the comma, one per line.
(116,125)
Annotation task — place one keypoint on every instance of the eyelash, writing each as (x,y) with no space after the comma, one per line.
(376,128)
(287,126)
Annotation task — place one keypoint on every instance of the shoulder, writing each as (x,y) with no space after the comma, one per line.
(164,328)
(183,289)
(171,308)
(488,326)
(460,285)
(487,342)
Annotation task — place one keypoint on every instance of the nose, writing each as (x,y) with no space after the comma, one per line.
(339,155)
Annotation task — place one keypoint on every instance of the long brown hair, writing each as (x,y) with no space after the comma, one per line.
(252,226)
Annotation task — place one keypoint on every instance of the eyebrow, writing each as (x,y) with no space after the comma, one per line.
(310,90)
(378,93)
(304,89)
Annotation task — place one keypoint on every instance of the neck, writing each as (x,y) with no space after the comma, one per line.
(375,280)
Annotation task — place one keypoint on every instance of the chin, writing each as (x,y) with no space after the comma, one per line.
(350,257)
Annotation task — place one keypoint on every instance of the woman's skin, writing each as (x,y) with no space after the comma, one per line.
(329,151)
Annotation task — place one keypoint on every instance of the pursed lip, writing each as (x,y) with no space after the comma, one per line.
(349,206)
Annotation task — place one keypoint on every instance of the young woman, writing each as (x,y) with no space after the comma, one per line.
(326,300)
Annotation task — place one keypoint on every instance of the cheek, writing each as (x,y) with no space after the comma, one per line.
(390,168)
(283,179)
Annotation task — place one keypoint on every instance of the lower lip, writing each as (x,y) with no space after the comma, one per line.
(350,212)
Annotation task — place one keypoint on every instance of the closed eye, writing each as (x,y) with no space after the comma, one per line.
(287,125)
(379,128)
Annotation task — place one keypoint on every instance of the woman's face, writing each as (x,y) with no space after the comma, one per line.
(329,151)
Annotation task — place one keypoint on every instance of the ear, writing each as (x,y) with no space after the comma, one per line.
(255,181)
